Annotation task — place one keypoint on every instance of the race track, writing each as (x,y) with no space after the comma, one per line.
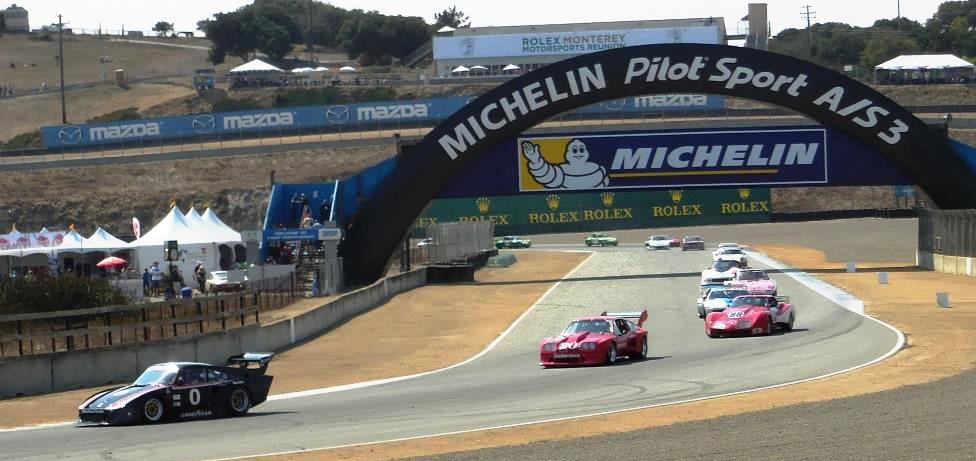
(506,386)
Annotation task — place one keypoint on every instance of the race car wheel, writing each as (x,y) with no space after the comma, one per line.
(152,411)
(612,354)
(642,354)
(240,401)
(770,325)
(589,244)
(788,326)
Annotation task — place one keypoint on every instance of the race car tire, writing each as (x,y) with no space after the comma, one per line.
(770,326)
(240,401)
(152,410)
(788,326)
(642,353)
(611,354)
(710,334)
(589,244)
(614,243)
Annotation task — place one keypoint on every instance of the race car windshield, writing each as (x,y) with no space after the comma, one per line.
(722,266)
(732,251)
(659,237)
(694,238)
(592,326)
(156,375)
(752,275)
(725,294)
(749,301)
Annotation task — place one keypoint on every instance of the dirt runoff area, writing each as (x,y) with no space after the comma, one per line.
(939,345)
(442,324)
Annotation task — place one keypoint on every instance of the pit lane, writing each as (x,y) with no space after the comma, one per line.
(505,386)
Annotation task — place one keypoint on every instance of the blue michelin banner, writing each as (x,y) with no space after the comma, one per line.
(730,157)
(334,117)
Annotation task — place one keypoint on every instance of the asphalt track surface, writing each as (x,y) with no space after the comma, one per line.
(506,386)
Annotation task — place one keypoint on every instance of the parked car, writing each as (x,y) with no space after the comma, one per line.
(597,340)
(183,390)
(600,239)
(221,281)
(512,241)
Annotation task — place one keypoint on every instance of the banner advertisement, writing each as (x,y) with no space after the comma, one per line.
(571,42)
(577,212)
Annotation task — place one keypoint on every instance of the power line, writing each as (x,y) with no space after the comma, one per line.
(809,15)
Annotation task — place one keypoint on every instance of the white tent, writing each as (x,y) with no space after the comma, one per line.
(210,217)
(198,240)
(511,67)
(101,238)
(321,69)
(925,61)
(445,29)
(460,69)
(255,66)
(347,69)
(479,67)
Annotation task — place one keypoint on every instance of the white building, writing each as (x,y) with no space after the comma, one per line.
(531,47)
(15,19)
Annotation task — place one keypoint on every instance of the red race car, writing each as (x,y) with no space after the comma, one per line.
(598,340)
(752,314)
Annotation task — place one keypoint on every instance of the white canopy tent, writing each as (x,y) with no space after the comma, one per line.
(198,240)
(924,61)
(101,238)
(347,69)
(511,67)
(460,69)
(255,66)
(925,68)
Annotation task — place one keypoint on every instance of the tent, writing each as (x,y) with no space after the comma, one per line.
(101,238)
(255,66)
(460,69)
(198,240)
(211,217)
(321,69)
(511,67)
(924,68)
(347,69)
(445,29)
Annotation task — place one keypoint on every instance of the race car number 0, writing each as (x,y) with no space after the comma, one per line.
(194,396)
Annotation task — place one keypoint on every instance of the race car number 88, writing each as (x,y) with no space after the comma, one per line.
(732,315)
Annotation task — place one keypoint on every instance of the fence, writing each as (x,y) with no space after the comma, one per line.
(41,333)
(947,232)
(459,240)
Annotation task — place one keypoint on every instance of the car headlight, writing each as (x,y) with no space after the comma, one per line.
(719,325)
(743,324)
(588,346)
(549,347)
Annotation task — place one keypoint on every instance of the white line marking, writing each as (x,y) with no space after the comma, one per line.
(38,426)
(899,344)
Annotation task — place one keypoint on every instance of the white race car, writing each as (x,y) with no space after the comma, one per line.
(731,254)
(719,273)
(725,245)
(717,299)
(658,242)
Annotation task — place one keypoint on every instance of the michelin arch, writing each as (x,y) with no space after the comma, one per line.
(821,94)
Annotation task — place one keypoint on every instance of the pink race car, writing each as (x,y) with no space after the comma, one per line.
(756,281)
(598,340)
(752,315)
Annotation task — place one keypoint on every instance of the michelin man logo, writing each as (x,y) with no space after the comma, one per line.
(577,172)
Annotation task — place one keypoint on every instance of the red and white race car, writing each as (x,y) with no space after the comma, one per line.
(753,315)
(755,281)
(597,340)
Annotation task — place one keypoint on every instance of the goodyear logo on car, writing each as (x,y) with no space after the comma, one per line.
(673,159)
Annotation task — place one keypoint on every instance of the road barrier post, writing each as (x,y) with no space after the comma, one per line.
(882,278)
(851,266)
(942,300)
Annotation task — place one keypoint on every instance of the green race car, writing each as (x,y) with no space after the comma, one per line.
(512,241)
(601,239)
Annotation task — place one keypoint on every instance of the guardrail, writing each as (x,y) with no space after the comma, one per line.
(70,330)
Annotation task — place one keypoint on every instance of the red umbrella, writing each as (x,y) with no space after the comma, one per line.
(111,261)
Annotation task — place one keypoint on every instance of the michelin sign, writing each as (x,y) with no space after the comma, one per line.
(661,160)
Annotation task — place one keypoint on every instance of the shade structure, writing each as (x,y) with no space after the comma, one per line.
(460,69)
(445,29)
(321,69)
(511,67)
(111,261)
(347,69)
(479,67)
(925,61)
(102,239)
(255,66)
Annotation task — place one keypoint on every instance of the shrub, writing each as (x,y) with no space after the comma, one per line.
(45,294)
(231,105)
(129,113)
(374,93)
(309,97)
(24,140)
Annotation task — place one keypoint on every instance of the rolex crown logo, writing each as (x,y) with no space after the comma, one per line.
(483,204)
(744,193)
(676,195)
(607,199)
(552,201)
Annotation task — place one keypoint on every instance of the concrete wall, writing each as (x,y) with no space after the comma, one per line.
(96,367)
(958,265)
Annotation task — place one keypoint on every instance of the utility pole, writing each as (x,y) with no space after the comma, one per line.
(898,18)
(809,15)
(64,112)
(311,49)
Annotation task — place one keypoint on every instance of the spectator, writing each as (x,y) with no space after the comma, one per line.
(201,276)
(304,202)
(295,210)
(157,277)
(325,210)
(146,282)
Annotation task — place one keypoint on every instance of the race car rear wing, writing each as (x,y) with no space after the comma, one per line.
(640,316)
(783,299)
(245,360)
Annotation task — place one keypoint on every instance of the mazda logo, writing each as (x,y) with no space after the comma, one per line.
(616,104)
(337,115)
(70,135)
(204,124)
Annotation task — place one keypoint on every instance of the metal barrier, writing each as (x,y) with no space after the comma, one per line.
(947,232)
(459,240)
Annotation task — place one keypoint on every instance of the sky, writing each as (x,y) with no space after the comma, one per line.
(142,14)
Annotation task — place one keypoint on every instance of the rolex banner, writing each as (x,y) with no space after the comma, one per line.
(578,212)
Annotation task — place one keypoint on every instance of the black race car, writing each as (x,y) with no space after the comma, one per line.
(183,390)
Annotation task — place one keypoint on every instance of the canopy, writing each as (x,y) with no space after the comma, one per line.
(256,65)
(321,69)
(925,61)
(211,218)
(460,69)
(111,261)
(511,67)
(73,241)
(302,70)
(102,239)
(445,29)
(479,67)
(347,69)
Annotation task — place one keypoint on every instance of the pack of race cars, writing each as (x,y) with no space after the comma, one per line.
(733,300)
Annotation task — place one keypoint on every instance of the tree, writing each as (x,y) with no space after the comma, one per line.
(884,46)
(452,17)
(162,28)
